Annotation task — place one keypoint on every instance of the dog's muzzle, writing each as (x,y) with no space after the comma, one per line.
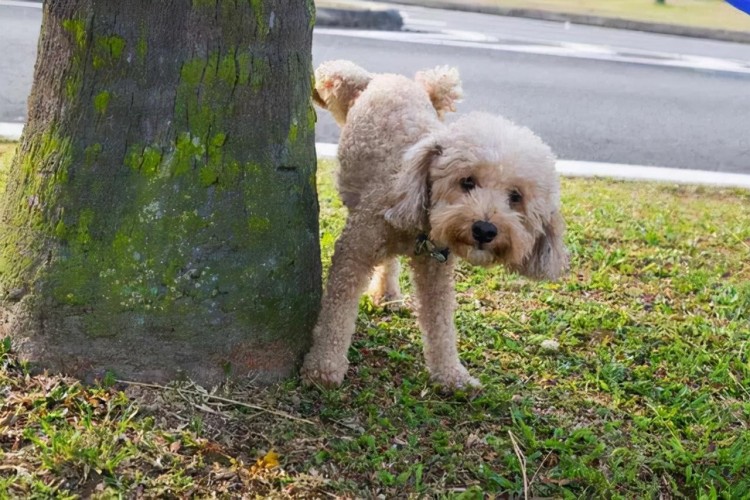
(483,231)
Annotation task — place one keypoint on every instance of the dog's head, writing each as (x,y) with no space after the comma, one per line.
(337,85)
(487,190)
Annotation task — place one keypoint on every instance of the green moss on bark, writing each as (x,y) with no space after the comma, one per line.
(293,131)
(259,74)
(29,213)
(141,47)
(244,63)
(77,29)
(310,4)
(107,50)
(261,25)
(92,153)
(147,265)
(187,217)
(203,4)
(101,101)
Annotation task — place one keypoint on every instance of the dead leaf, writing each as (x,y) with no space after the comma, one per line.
(269,461)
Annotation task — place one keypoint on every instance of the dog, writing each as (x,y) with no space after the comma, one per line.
(338,83)
(481,188)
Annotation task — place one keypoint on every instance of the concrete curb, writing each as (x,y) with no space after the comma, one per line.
(351,15)
(619,171)
(10,131)
(605,22)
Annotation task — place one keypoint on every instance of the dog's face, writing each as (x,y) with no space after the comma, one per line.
(488,191)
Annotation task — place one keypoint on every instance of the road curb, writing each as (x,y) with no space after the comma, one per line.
(619,171)
(351,15)
(10,131)
(604,22)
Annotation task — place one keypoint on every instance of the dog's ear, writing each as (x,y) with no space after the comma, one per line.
(549,257)
(411,190)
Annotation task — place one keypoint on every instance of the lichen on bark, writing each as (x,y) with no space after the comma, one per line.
(165,220)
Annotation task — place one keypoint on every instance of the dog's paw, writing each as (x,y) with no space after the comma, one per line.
(457,378)
(323,372)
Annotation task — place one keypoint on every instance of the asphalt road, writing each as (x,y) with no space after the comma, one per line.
(594,94)
(586,110)
(19,30)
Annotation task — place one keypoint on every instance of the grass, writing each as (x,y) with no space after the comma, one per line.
(6,155)
(704,13)
(645,396)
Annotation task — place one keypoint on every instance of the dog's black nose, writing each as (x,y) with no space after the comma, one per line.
(483,231)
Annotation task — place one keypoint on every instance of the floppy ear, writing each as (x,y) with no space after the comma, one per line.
(549,257)
(411,190)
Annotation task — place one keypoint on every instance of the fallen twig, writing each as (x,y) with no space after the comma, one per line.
(539,468)
(522,461)
(220,398)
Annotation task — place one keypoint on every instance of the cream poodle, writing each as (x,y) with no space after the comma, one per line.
(480,188)
(337,85)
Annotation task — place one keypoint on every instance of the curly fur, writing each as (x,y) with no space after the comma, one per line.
(404,172)
(338,84)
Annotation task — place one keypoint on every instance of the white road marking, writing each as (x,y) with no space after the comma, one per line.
(10,131)
(469,36)
(570,168)
(326,149)
(13,3)
(467,39)
(409,21)
(588,48)
(424,22)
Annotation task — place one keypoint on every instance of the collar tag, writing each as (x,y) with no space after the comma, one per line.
(424,245)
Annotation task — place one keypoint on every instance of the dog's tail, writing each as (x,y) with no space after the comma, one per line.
(443,85)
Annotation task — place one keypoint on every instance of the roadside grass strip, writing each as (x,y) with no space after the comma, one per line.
(629,378)
(702,13)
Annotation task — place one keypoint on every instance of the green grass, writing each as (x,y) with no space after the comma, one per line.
(6,155)
(716,14)
(647,394)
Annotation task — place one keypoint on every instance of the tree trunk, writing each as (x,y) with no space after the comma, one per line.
(160,218)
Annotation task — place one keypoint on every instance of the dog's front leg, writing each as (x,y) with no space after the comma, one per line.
(357,251)
(436,299)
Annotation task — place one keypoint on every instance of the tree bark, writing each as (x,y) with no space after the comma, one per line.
(160,218)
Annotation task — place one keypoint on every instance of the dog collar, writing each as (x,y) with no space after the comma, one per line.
(424,245)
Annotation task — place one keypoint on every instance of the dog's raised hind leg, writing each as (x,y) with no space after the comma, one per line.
(384,287)
(436,299)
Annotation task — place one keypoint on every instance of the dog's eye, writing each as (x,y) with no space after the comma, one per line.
(515,197)
(468,183)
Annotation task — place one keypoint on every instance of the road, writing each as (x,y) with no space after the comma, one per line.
(594,94)
(19,30)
